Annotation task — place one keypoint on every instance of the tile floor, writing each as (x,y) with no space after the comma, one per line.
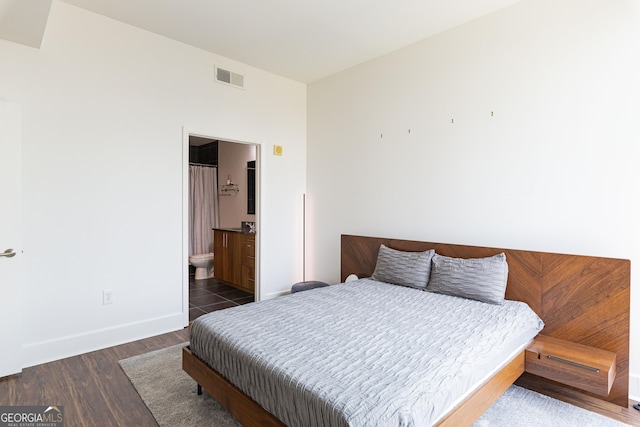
(210,295)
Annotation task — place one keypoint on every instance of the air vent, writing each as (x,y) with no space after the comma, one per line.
(229,78)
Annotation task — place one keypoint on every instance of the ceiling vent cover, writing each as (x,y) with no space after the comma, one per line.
(229,78)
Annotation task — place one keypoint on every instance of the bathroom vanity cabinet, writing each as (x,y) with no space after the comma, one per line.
(234,258)
(248,261)
(225,255)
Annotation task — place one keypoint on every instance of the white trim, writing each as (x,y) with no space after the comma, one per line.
(276,294)
(72,345)
(634,387)
(185,224)
(186,132)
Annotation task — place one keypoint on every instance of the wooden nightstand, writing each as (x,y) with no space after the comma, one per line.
(587,368)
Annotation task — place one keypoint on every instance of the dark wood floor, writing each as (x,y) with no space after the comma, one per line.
(94,390)
(92,387)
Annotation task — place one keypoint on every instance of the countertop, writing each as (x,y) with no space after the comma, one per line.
(231,230)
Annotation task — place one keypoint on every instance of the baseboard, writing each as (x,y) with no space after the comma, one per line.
(634,387)
(73,345)
(275,294)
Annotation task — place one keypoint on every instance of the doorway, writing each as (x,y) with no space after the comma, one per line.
(236,165)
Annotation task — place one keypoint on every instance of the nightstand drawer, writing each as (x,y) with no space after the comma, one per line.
(587,368)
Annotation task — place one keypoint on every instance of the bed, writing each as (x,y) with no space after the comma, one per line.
(467,395)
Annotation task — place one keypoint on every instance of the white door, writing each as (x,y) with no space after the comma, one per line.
(10,238)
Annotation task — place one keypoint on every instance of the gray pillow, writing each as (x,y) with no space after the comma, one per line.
(482,279)
(403,268)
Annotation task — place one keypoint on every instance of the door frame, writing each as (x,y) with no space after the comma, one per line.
(186,133)
(11,267)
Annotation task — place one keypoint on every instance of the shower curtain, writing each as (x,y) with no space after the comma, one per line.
(203,208)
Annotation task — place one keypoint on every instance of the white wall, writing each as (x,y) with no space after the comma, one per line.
(554,169)
(104,106)
(232,160)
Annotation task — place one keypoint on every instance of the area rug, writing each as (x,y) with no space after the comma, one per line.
(170,394)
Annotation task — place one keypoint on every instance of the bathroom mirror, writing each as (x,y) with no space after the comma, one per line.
(251,187)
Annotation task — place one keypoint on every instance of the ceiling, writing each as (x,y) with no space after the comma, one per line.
(24,22)
(302,40)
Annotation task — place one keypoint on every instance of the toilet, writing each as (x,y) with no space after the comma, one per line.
(203,264)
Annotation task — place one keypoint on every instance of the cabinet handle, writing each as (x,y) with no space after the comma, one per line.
(251,257)
(577,365)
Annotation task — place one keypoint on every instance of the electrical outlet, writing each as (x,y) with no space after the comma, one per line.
(107,297)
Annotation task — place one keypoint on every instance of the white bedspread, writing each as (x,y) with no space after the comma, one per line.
(361,354)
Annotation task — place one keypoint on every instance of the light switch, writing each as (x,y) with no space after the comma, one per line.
(277,150)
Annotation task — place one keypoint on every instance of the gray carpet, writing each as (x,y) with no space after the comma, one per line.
(171,396)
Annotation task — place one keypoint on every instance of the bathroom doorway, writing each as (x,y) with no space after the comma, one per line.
(236,167)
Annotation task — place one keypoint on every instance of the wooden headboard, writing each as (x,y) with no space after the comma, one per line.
(582,299)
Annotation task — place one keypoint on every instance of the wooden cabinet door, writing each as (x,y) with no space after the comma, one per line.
(247,273)
(233,258)
(220,255)
(226,257)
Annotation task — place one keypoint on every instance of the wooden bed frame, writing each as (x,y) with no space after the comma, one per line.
(580,298)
